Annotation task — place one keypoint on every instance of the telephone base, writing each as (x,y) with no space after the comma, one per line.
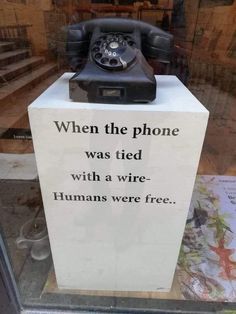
(134,85)
(116,92)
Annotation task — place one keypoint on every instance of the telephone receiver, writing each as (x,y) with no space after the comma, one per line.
(115,50)
(152,41)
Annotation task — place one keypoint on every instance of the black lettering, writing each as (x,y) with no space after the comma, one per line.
(76,176)
(175,132)
(107,155)
(108,178)
(166,131)
(116,198)
(90,154)
(75,128)
(126,199)
(145,130)
(62,125)
(98,155)
(79,198)
(58,196)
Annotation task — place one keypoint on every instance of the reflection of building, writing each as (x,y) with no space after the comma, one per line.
(210,42)
(24,66)
(27,12)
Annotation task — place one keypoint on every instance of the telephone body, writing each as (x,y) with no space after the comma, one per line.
(115,70)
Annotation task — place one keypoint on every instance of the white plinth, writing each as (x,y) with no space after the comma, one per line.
(97,242)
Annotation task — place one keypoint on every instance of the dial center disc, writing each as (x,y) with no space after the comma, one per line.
(114,45)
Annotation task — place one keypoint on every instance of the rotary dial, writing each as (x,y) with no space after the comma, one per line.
(114,51)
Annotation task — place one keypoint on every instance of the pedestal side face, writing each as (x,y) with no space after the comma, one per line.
(116,187)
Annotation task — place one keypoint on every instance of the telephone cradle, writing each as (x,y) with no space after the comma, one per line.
(108,56)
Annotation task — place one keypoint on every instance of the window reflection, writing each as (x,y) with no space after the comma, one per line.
(33,56)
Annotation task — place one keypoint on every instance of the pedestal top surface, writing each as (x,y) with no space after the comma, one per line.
(172,95)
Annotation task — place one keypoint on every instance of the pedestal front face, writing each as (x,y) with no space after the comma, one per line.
(116,182)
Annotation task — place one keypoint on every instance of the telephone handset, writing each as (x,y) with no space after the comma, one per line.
(115,70)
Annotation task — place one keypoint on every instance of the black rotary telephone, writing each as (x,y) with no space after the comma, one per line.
(116,70)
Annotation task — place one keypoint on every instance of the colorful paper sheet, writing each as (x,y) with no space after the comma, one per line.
(207,260)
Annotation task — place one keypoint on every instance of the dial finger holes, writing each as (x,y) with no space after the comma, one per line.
(95,49)
(98,55)
(113,62)
(104,60)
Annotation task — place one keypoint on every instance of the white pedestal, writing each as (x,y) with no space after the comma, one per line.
(108,231)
